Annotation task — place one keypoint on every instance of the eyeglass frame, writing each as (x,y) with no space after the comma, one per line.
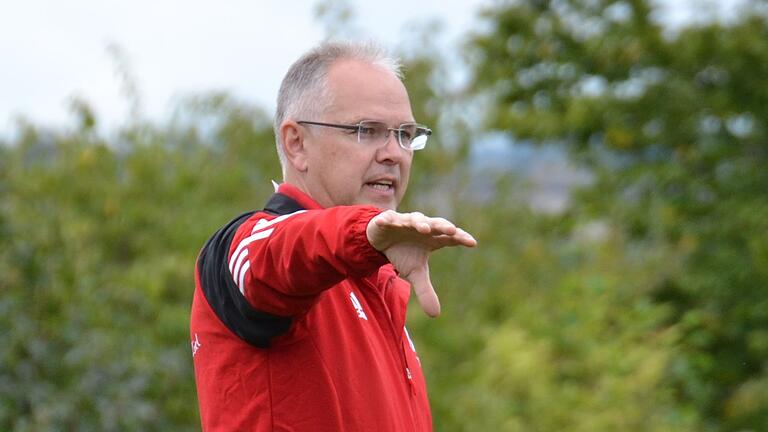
(358,126)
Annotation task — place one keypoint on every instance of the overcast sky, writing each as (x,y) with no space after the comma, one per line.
(53,50)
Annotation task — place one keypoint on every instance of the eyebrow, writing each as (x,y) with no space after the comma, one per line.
(398,123)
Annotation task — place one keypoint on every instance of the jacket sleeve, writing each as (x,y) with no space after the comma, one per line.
(282,265)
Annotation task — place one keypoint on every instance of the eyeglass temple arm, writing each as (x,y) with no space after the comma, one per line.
(338,126)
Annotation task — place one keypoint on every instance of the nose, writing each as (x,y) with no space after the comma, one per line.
(390,153)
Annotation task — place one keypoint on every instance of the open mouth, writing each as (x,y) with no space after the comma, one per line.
(381,185)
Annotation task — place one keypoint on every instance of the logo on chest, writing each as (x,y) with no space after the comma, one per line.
(195,345)
(358,306)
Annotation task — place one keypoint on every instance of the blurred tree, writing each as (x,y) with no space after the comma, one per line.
(673,124)
(553,323)
(98,240)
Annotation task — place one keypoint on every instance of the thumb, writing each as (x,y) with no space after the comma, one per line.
(425,292)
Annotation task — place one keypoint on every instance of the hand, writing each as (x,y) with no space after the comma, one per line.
(407,239)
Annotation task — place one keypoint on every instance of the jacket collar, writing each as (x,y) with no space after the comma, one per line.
(289,199)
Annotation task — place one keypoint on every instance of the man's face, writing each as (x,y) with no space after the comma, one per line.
(343,171)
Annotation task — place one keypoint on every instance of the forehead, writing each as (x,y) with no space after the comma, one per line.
(360,91)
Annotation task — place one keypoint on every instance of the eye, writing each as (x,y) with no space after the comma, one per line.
(372,130)
(366,130)
(408,132)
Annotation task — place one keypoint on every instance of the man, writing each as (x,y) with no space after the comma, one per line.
(298,317)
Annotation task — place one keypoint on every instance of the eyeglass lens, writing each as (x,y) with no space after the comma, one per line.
(410,136)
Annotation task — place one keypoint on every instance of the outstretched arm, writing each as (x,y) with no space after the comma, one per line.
(407,240)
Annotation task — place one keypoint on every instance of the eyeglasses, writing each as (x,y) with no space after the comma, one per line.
(410,136)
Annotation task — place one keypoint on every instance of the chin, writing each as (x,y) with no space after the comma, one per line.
(382,204)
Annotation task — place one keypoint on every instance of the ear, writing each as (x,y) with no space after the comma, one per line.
(292,136)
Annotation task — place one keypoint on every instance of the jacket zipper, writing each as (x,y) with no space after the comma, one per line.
(397,338)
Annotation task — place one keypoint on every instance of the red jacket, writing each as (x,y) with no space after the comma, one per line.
(298,324)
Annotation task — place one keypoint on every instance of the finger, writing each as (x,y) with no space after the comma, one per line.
(436,225)
(425,292)
(459,238)
(465,238)
(419,222)
(392,219)
(440,225)
(443,241)
(385,218)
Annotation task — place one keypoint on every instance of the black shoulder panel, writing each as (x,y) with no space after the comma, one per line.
(223,295)
(280,204)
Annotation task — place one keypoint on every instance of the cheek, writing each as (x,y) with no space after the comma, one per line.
(405,167)
(331,160)
(347,169)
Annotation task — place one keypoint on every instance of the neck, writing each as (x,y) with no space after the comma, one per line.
(296,179)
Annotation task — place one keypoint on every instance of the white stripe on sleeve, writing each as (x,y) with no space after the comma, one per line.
(250,239)
(237,259)
(239,263)
(241,279)
(260,225)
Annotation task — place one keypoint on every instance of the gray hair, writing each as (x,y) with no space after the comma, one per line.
(304,90)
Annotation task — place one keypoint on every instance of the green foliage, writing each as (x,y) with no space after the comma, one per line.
(544,330)
(98,244)
(642,307)
(673,124)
